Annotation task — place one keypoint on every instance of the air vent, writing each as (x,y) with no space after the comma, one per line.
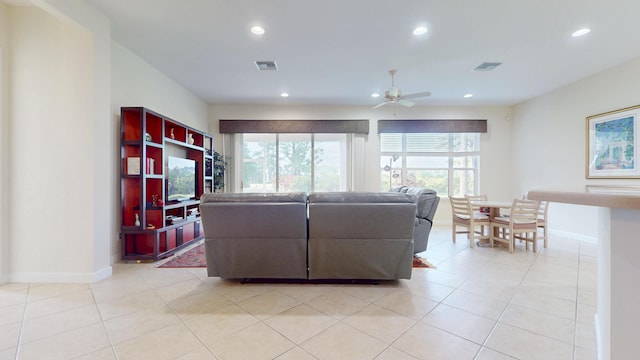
(487,66)
(266,65)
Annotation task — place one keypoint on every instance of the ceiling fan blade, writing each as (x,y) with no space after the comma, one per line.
(377,106)
(416,95)
(405,102)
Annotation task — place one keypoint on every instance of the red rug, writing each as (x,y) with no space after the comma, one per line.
(195,257)
(419,262)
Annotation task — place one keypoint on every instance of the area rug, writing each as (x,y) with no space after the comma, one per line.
(419,262)
(195,257)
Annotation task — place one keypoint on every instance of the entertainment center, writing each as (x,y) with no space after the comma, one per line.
(165,167)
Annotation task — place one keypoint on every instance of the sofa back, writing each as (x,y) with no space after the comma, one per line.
(254,214)
(361,235)
(255,235)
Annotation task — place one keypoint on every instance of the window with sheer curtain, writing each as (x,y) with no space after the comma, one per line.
(445,162)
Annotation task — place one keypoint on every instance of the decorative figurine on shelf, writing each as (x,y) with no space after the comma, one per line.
(154,200)
(191,141)
(137,223)
(172,134)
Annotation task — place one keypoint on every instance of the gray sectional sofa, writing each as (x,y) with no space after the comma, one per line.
(343,235)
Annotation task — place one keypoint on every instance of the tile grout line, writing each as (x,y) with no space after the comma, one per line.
(484,343)
(104,326)
(183,321)
(20,332)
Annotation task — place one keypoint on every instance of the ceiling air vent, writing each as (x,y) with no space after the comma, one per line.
(487,66)
(266,65)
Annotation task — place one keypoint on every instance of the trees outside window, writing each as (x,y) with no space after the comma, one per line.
(295,162)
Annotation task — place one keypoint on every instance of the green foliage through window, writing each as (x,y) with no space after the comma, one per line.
(294,162)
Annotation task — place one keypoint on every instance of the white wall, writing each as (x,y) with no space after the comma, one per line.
(50,172)
(136,83)
(4,148)
(495,144)
(86,18)
(549,134)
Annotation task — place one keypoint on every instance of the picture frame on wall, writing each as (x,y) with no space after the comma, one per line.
(612,144)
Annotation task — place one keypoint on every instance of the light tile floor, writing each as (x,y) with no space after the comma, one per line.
(479,303)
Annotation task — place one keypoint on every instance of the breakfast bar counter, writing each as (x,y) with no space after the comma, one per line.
(618,312)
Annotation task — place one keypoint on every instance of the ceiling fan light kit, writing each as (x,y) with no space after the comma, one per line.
(394,95)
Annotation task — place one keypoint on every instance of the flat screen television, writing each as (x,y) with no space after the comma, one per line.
(181,179)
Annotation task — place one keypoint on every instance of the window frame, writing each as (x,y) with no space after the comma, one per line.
(450,154)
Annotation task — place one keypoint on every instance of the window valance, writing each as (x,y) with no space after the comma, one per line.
(294,126)
(432,126)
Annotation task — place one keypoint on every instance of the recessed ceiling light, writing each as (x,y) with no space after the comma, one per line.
(375,95)
(258,30)
(420,30)
(468,95)
(581,32)
(284,94)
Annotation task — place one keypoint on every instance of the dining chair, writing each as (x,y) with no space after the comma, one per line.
(476,225)
(472,198)
(542,221)
(521,222)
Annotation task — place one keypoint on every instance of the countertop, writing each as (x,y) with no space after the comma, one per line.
(624,197)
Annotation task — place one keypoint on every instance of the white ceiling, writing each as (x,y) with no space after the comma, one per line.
(340,51)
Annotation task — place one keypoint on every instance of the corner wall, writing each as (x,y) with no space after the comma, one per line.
(51,147)
(59,88)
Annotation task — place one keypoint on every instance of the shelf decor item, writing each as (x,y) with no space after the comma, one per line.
(613,144)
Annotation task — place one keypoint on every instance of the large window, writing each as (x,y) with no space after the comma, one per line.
(445,162)
(295,162)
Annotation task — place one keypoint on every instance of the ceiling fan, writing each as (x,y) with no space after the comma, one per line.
(393,95)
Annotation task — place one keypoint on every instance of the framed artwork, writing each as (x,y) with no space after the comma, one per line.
(612,144)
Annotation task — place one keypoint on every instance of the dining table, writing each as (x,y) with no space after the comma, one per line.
(492,208)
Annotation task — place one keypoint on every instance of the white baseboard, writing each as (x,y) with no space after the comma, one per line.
(48,277)
(103,273)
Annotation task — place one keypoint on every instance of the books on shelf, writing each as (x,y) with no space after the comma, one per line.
(133,166)
(150,165)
